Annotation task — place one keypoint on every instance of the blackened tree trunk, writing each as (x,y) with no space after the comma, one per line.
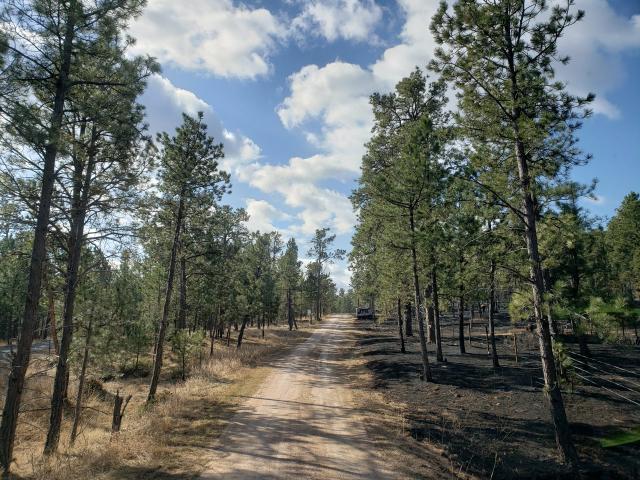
(241,333)
(461,320)
(461,307)
(119,406)
(81,186)
(426,369)
(431,324)
(408,320)
(436,313)
(15,382)
(492,311)
(402,349)
(162,327)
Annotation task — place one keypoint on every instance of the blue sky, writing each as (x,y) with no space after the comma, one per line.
(285,85)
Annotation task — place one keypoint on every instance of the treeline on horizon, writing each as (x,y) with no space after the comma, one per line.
(113,243)
(468,207)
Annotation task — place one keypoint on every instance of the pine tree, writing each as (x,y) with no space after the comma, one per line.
(500,56)
(189,180)
(322,253)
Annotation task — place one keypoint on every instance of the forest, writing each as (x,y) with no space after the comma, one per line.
(139,312)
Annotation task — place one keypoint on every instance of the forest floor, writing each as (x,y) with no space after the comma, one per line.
(169,440)
(477,422)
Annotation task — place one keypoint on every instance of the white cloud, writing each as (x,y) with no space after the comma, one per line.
(213,36)
(340,274)
(337,95)
(595,46)
(165,104)
(416,46)
(262,215)
(334,19)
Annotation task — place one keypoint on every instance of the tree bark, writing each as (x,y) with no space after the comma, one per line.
(289,310)
(436,313)
(426,369)
(431,324)
(162,328)
(402,349)
(15,382)
(492,308)
(182,309)
(241,333)
(461,320)
(566,449)
(408,320)
(119,406)
(83,372)
(82,184)
(53,328)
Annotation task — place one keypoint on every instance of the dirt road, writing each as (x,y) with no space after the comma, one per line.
(302,422)
(36,348)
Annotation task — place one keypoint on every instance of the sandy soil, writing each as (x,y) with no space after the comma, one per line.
(303,422)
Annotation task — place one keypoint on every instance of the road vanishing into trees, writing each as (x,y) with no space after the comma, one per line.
(302,422)
(6,351)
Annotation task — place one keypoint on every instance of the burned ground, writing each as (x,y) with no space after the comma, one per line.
(475,421)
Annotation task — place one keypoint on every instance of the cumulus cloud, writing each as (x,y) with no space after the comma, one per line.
(262,216)
(595,46)
(219,37)
(334,19)
(337,95)
(165,104)
(416,46)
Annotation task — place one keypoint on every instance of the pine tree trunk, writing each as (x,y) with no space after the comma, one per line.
(318,292)
(461,345)
(431,326)
(408,320)
(426,370)
(289,310)
(566,449)
(53,328)
(162,327)
(82,184)
(402,349)
(461,320)
(83,372)
(564,442)
(15,381)
(492,309)
(436,313)
(241,333)
(182,308)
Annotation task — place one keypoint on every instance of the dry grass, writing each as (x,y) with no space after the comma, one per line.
(170,439)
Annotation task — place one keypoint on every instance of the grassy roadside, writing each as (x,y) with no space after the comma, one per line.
(169,440)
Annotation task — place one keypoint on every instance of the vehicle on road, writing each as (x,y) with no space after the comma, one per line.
(364,313)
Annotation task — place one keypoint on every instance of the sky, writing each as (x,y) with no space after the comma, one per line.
(284,85)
